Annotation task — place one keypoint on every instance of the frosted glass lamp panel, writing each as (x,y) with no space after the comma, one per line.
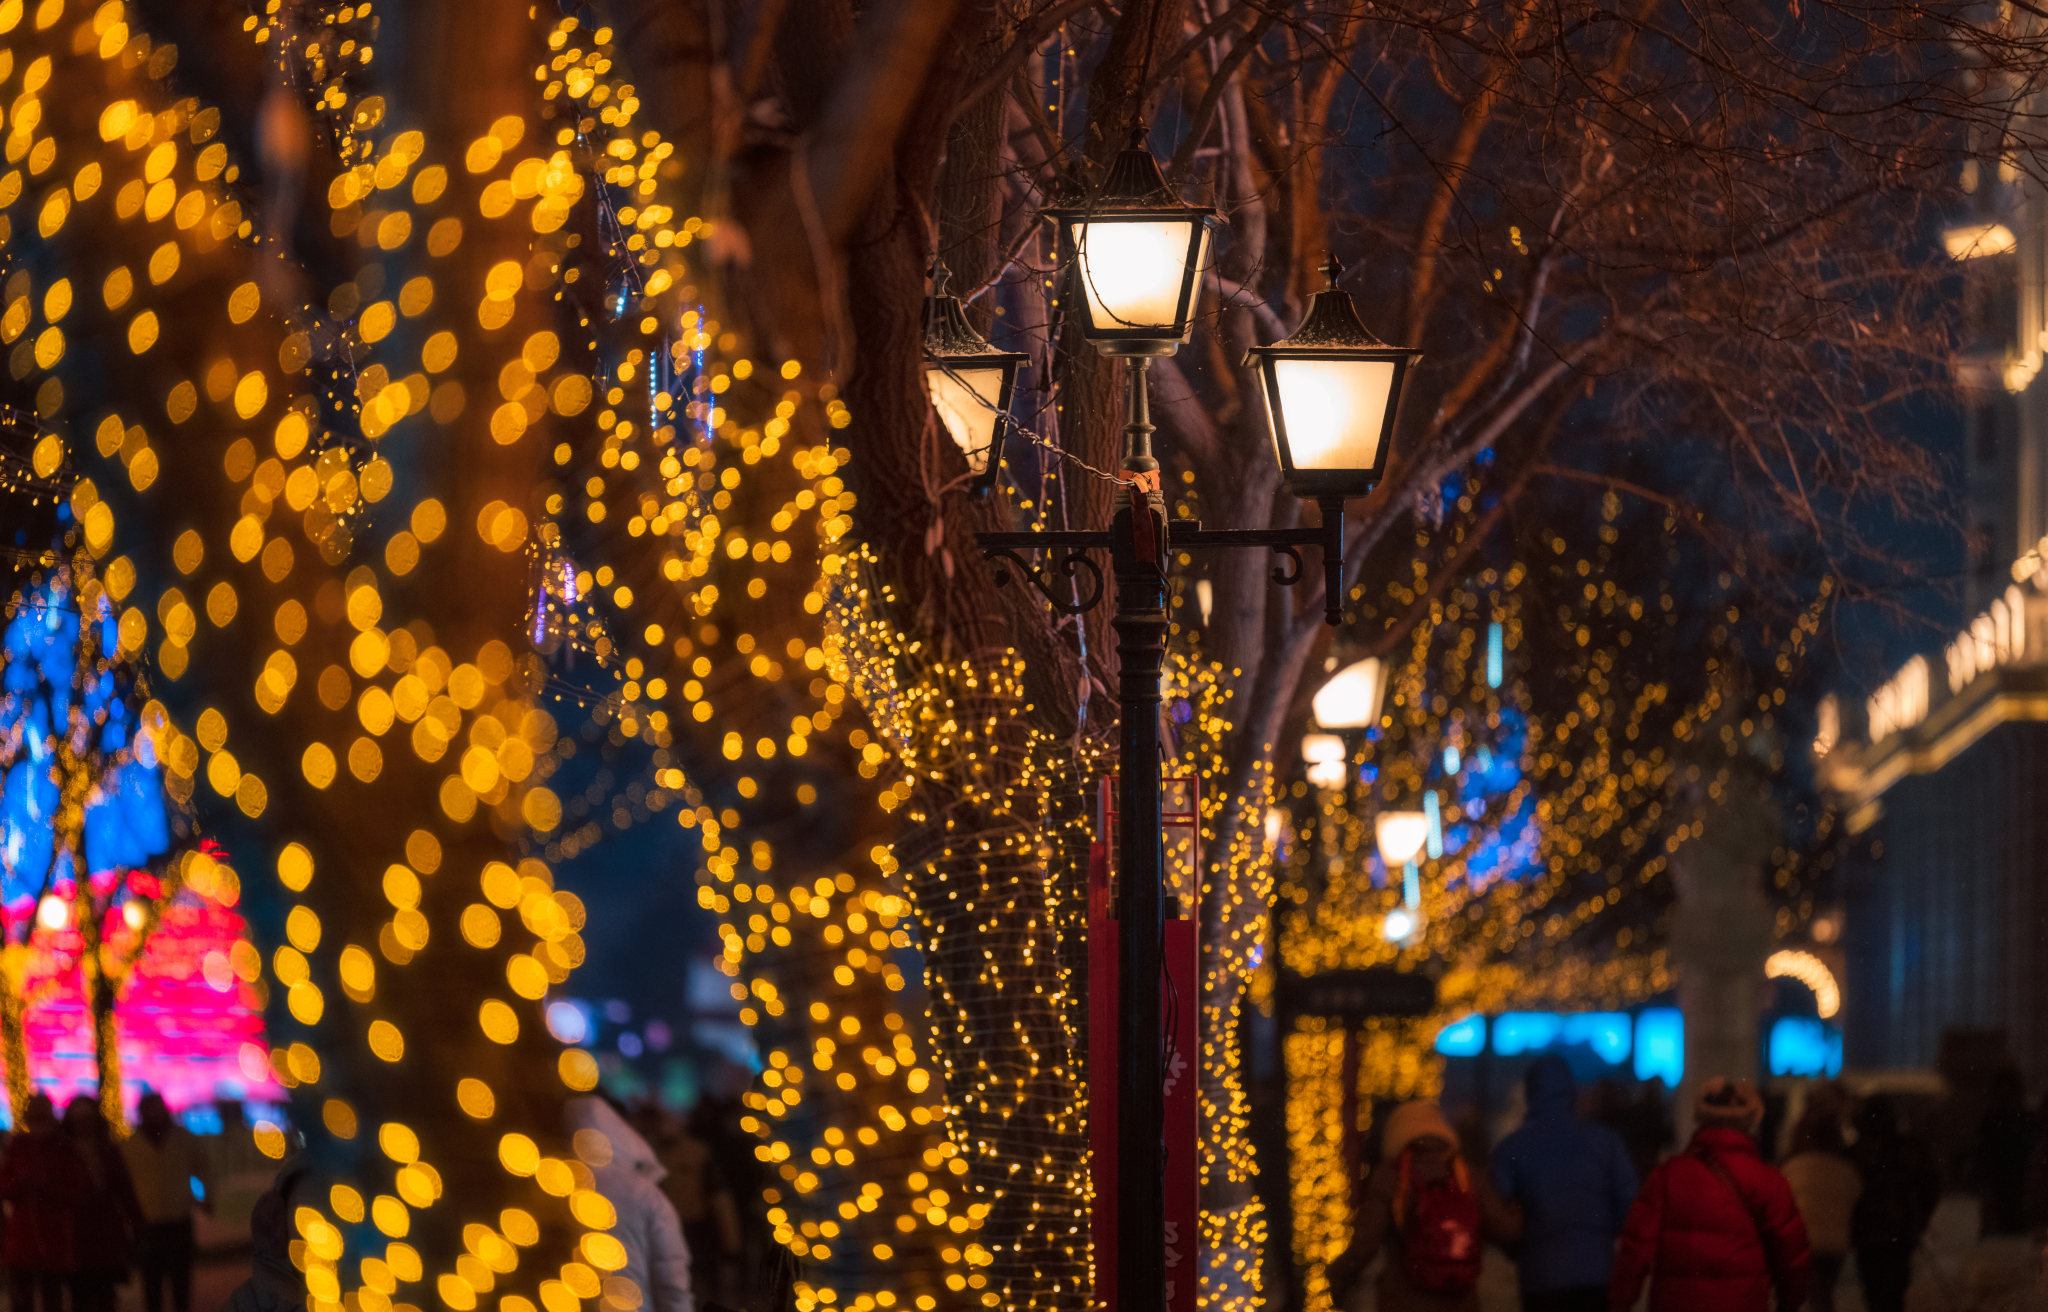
(1351,699)
(1133,273)
(1335,411)
(1400,835)
(966,401)
(1317,748)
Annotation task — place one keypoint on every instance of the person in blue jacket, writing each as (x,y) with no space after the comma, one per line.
(1574,1182)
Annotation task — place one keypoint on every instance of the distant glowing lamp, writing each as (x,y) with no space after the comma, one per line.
(1400,924)
(1331,392)
(1351,699)
(1138,254)
(1400,835)
(1791,963)
(1324,753)
(52,913)
(1276,824)
(1974,240)
(1326,774)
(568,1021)
(970,382)
(1319,747)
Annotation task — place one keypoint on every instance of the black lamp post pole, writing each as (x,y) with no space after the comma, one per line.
(1138,554)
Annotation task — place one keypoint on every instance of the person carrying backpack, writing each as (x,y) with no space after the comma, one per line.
(1429,1213)
(1715,1228)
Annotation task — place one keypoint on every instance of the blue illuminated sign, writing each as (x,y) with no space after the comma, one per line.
(1660,1044)
(1463,1038)
(1607,1033)
(1517,1032)
(1802,1045)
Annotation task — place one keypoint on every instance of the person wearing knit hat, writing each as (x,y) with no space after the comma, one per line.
(1723,1101)
(1715,1228)
(1428,1213)
(1411,1121)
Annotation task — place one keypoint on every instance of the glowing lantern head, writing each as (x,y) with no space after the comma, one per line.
(970,382)
(1351,699)
(1324,753)
(1400,925)
(1138,254)
(1332,389)
(52,913)
(1400,835)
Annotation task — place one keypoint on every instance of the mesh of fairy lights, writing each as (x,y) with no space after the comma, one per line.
(346,468)
(1559,814)
(995,866)
(992,868)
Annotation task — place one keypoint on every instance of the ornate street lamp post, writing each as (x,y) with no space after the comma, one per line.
(1137,255)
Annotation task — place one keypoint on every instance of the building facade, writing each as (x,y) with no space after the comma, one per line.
(1943,772)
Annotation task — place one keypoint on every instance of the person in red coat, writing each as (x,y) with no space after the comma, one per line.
(1715,1228)
(40,1175)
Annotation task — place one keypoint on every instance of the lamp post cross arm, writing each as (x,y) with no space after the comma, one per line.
(1073,582)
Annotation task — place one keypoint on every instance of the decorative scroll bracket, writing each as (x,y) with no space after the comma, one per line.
(1066,577)
(1067,561)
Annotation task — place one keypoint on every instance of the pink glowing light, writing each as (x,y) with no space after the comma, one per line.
(187,1026)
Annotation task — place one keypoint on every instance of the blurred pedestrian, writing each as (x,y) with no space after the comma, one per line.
(167,1162)
(629,1177)
(1649,1131)
(275,1283)
(1574,1182)
(718,1121)
(1825,1184)
(1429,1213)
(41,1177)
(1901,1189)
(106,1218)
(1714,1228)
(703,1204)
(2005,1146)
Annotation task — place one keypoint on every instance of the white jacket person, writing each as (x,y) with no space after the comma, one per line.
(628,1175)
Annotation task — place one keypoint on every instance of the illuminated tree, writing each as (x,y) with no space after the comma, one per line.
(81,812)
